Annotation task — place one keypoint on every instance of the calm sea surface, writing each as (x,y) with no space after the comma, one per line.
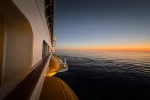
(95,75)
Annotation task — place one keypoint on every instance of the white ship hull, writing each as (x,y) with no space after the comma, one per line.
(27,44)
(27,39)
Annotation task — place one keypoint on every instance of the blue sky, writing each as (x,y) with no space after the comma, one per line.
(102,23)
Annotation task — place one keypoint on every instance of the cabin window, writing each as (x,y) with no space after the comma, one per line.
(45,50)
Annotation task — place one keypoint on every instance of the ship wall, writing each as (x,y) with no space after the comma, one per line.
(25,38)
(17,46)
(34,10)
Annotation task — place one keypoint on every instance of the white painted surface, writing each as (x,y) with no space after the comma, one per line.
(17,56)
(34,10)
(36,18)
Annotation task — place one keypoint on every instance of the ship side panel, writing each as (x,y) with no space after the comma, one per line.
(34,10)
(18,42)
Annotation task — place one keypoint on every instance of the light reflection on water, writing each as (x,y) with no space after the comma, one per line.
(134,57)
(110,73)
(120,61)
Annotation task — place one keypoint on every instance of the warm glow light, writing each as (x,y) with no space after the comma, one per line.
(50,74)
(134,49)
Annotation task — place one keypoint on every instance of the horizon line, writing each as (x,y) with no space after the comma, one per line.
(133,49)
(110,50)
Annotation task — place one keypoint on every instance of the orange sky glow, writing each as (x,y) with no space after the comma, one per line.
(130,49)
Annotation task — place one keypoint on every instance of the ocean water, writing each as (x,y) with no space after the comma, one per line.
(95,75)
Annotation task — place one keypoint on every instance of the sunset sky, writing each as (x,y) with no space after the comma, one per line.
(112,25)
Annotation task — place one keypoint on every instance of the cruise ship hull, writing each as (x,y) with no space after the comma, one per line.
(27,45)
